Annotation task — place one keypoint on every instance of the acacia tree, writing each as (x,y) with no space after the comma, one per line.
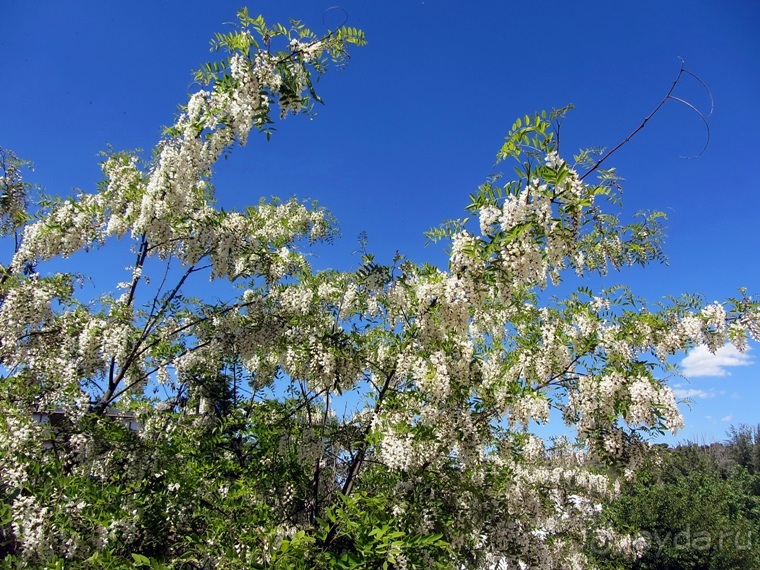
(383,417)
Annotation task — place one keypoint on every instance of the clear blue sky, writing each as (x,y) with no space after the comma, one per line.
(412,124)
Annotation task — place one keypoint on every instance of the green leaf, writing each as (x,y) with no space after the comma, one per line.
(140,560)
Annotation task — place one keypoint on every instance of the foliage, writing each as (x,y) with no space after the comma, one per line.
(696,505)
(384,417)
(14,192)
(744,447)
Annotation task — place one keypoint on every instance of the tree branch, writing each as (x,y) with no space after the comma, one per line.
(668,95)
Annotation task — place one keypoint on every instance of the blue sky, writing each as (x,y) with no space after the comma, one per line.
(412,124)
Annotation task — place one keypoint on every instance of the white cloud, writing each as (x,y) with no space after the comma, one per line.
(727,418)
(701,362)
(692,393)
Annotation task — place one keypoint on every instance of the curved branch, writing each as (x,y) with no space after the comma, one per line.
(707,89)
(669,95)
(704,120)
(330,9)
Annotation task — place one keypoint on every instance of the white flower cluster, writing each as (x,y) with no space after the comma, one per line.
(171,206)
(28,307)
(401,451)
(71,226)
(532,406)
(542,517)
(647,401)
(20,440)
(29,522)
(646,397)
(430,373)
(123,193)
(306,50)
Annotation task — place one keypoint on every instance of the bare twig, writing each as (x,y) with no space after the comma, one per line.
(668,96)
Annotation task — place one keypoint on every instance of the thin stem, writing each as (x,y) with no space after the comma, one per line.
(113,379)
(668,95)
(358,459)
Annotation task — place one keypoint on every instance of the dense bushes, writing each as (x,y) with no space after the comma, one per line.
(697,505)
